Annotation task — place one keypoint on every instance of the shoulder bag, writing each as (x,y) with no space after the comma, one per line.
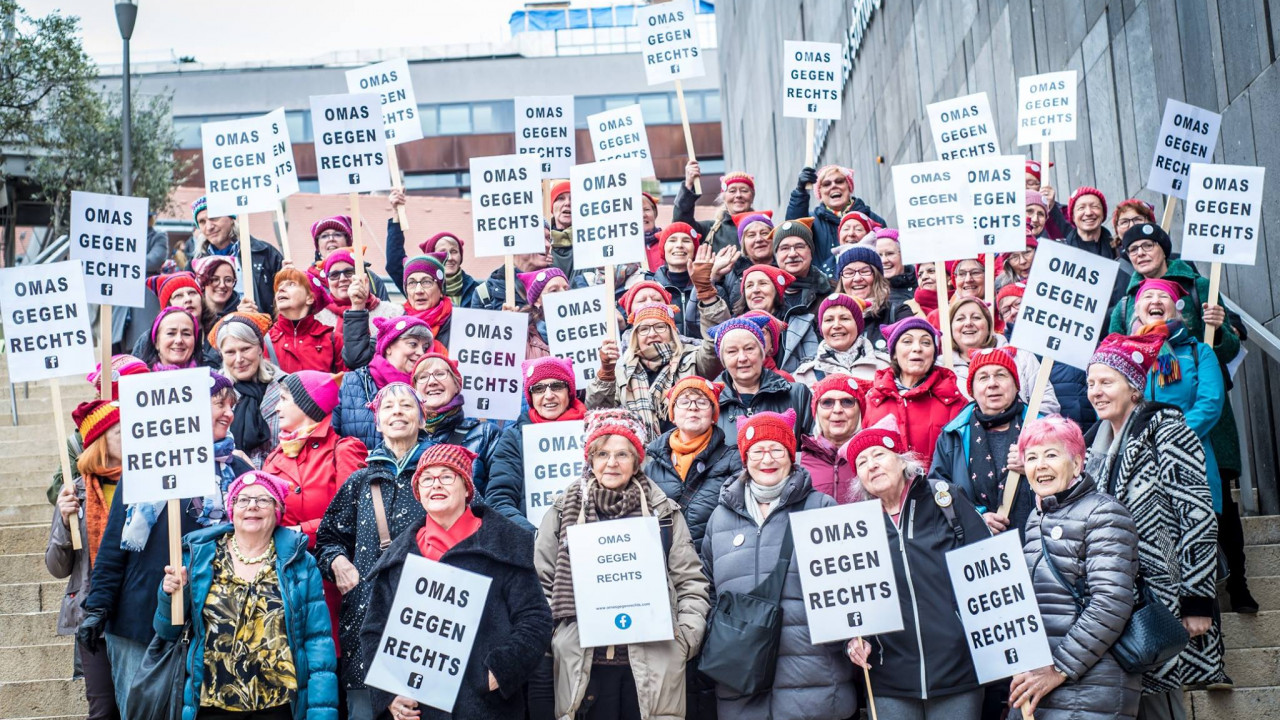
(156,690)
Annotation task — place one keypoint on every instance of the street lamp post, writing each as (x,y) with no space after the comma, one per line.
(126,14)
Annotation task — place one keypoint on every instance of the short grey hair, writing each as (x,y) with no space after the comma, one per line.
(242,332)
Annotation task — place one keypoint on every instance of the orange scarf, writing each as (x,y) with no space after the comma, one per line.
(684,453)
(96,507)
(434,541)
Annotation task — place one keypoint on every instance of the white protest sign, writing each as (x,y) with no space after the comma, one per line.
(430,631)
(545,127)
(998,187)
(46,321)
(670,47)
(608,217)
(577,322)
(239,166)
(282,155)
(391,81)
(506,205)
(166,436)
(846,573)
(351,150)
(1065,304)
(619,134)
(619,582)
(553,460)
(1047,107)
(1188,134)
(963,127)
(1224,206)
(1002,621)
(811,80)
(489,346)
(934,205)
(109,237)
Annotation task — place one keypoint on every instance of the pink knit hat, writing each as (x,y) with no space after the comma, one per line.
(1171,288)
(536,282)
(314,392)
(341,223)
(547,368)
(429,245)
(391,328)
(1035,198)
(338,256)
(278,488)
(850,303)
(121,365)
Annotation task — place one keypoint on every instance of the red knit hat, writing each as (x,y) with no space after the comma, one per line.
(651,198)
(839,383)
(873,437)
(679,227)
(453,365)
(547,368)
(94,418)
(991,356)
(629,296)
(341,223)
(613,421)
(1081,192)
(429,245)
(779,427)
(121,365)
(164,286)
(1017,289)
(454,457)
(558,189)
(693,382)
(861,218)
(780,278)
(1033,168)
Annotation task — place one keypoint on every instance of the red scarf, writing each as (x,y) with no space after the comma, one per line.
(434,317)
(337,306)
(576,411)
(434,541)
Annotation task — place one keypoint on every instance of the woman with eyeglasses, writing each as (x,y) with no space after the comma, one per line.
(968,279)
(972,331)
(750,387)
(217,277)
(353,306)
(401,342)
(845,348)
(260,638)
(860,274)
(833,186)
(333,235)
(439,385)
(837,415)
(303,332)
(1017,265)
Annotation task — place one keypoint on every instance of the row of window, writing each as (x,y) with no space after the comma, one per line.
(493,117)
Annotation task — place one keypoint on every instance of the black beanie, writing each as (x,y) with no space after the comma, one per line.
(1148,231)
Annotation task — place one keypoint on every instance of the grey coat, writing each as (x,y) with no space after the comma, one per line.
(812,682)
(63,561)
(1090,537)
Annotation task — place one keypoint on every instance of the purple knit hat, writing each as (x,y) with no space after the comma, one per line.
(752,324)
(549,367)
(278,488)
(753,218)
(390,329)
(859,253)
(844,301)
(536,282)
(431,263)
(218,382)
(894,332)
(314,392)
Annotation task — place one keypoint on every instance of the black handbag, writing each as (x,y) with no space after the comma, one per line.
(1152,637)
(740,651)
(156,691)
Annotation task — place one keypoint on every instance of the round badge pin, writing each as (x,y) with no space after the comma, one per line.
(739,539)
(541,277)
(888,442)
(1056,532)
(1137,356)
(401,325)
(943,498)
(751,433)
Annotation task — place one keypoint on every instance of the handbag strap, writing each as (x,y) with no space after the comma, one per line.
(771,587)
(380,515)
(1077,593)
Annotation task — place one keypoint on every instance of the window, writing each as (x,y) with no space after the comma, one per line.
(455,119)
(430,121)
(186,133)
(585,106)
(436,181)
(308,186)
(493,117)
(616,101)
(656,110)
(711,100)
(299,124)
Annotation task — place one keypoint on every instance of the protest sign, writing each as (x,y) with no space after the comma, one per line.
(577,322)
(430,631)
(997,602)
(351,150)
(239,166)
(934,208)
(998,188)
(1047,107)
(608,218)
(963,127)
(391,82)
(842,553)
(670,46)
(545,127)
(286,171)
(553,458)
(166,436)
(109,237)
(811,80)
(506,205)
(46,321)
(1224,206)
(489,346)
(619,582)
(1065,304)
(1188,134)
(619,134)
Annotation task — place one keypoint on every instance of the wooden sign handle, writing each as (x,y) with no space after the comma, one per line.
(871,697)
(246,256)
(509,263)
(104,353)
(1044,161)
(175,557)
(60,441)
(609,283)
(397,181)
(282,232)
(1170,205)
(1215,286)
(357,248)
(944,313)
(688,134)
(989,273)
(1026,714)
(1033,411)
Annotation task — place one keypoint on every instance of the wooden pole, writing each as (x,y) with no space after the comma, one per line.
(282,232)
(1170,205)
(104,351)
(1044,161)
(510,264)
(175,556)
(1215,285)
(546,199)
(246,256)
(397,181)
(871,698)
(944,314)
(989,273)
(1033,411)
(60,441)
(1026,714)
(357,249)
(688,134)
(612,313)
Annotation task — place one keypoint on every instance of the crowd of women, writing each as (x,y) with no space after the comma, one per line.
(762,368)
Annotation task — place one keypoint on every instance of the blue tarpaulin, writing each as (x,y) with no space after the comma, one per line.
(584,18)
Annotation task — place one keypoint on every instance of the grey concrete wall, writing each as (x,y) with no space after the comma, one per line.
(1131,56)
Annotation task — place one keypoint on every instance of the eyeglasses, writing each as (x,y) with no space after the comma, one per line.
(830,403)
(416,284)
(610,458)
(1143,248)
(852,272)
(651,329)
(1126,222)
(758,453)
(792,248)
(257,501)
(332,235)
(434,376)
(222,281)
(969,275)
(342,274)
(444,480)
(544,388)
(697,403)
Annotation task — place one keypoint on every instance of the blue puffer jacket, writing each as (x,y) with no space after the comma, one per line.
(306,621)
(1072,388)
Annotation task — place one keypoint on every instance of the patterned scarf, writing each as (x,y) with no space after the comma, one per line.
(601,504)
(292,441)
(645,399)
(1167,370)
(213,507)
(433,420)
(986,474)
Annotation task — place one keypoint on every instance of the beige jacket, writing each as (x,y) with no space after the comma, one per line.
(658,667)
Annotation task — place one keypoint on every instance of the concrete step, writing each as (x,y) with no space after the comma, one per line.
(1254,667)
(25,495)
(33,464)
(24,538)
(40,479)
(26,514)
(74,391)
(1262,561)
(1250,631)
(37,417)
(39,443)
(37,628)
(24,568)
(1252,703)
(1261,530)
(40,697)
(37,662)
(29,597)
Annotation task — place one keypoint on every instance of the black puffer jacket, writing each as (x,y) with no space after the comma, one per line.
(775,395)
(505,493)
(699,493)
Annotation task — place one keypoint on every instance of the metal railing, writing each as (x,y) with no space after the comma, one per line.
(1266,341)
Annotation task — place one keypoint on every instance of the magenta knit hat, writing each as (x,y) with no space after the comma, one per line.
(314,392)
(536,282)
(341,223)
(547,368)
(844,301)
(390,329)
(166,312)
(429,245)
(1035,198)
(338,256)
(278,488)
(432,264)
(891,233)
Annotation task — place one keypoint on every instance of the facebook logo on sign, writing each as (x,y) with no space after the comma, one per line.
(1176,184)
(1055,343)
(50,362)
(855,619)
(623,621)
(482,403)
(107,289)
(353,178)
(989,239)
(1219,249)
(608,251)
(1011,656)
(242,200)
(169,482)
(415,680)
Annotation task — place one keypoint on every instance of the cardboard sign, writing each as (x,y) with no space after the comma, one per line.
(964,127)
(1224,206)
(430,632)
(489,346)
(545,127)
(351,150)
(671,49)
(391,82)
(46,321)
(239,167)
(282,155)
(1188,134)
(577,322)
(998,188)
(506,205)
(619,582)
(842,553)
(619,134)
(934,206)
(109,237)
(553,460)
(608,217)
(1047,107)
(811,80)
(166,436)
(998,607)
(1065,304)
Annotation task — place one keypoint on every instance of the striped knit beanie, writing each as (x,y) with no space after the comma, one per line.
(454,457)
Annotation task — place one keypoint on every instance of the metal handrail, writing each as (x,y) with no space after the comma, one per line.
(55,251)
(1259,335)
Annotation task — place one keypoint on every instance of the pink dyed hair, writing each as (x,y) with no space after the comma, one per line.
(1052,428)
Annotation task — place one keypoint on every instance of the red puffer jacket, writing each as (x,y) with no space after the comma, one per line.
(306,344)
(324,463)
(921,412)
